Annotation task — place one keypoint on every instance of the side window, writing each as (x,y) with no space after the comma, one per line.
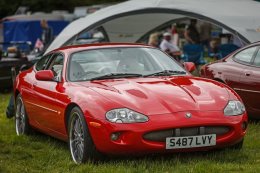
(56,66)
(245,56)
(96,35)
(42,63)
(257,59)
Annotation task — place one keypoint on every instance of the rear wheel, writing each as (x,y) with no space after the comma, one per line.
(22,126)
(81,144)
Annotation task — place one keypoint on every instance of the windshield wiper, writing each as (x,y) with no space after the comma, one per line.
(165,73)
(116,75)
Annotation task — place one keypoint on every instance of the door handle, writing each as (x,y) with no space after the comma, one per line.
(247,73)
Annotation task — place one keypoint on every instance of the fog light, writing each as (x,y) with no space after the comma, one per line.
(115,136)
(244,125)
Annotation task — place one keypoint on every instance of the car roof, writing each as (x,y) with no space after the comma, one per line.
(76,48)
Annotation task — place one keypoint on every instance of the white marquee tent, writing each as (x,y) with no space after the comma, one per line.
(130,20)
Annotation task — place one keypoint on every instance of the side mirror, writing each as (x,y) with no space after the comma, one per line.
(189,66)
(44,75)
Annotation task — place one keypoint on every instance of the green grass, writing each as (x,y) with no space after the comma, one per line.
(40,153)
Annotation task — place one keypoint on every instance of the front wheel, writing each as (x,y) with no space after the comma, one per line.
(81,144)
(22,126)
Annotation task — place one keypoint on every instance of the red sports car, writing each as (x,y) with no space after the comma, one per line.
(116,99)
(241,71)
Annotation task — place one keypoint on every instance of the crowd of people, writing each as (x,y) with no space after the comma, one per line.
(169,40)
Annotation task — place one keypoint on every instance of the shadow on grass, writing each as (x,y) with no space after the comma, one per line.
(45,139)
(5,90)
(220,155)
(38,139)
(254,121)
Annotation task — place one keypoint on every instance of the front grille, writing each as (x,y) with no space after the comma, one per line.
(160,136)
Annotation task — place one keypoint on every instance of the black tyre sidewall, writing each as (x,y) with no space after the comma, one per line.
(27,128)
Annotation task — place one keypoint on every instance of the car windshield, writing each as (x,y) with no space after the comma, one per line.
(121,62)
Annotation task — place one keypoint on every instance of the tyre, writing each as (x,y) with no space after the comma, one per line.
(22,126)
(81,144)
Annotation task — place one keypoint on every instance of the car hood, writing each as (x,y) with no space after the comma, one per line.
(161,95)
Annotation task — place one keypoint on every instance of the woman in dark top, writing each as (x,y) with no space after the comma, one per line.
(191,33)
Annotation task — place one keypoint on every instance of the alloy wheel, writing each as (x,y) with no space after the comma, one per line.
(76,138)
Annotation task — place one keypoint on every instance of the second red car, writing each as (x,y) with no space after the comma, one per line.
(241,71)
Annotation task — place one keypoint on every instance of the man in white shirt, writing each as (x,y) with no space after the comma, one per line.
(168,47)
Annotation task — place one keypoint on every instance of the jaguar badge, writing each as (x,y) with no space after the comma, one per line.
(188,115)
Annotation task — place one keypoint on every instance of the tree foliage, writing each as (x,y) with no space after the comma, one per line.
(8,7)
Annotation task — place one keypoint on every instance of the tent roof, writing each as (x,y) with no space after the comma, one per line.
(128,21)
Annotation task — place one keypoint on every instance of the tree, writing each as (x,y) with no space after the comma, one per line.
(8,7)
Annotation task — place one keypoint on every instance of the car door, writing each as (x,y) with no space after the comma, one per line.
(28,93)
(250,84)
(49,114)
(232,70)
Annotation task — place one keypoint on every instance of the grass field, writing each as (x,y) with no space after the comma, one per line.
(40,153)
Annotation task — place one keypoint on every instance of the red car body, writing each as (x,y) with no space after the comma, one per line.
(241,71)
(165,100)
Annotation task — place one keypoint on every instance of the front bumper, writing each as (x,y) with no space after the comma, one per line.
(131,136)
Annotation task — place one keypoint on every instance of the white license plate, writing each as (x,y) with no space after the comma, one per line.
(190,141)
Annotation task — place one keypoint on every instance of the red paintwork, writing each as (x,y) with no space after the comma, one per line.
(244,79)
(189,66)
(165,100)
(44,75)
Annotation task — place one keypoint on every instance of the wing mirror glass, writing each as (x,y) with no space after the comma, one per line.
(189,66)
(44,75)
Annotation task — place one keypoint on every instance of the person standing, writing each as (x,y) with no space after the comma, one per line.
(205,34)
(153,40)
(47,33)
(191,33)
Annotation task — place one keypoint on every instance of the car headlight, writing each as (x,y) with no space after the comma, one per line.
(124,115)
(234,107)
